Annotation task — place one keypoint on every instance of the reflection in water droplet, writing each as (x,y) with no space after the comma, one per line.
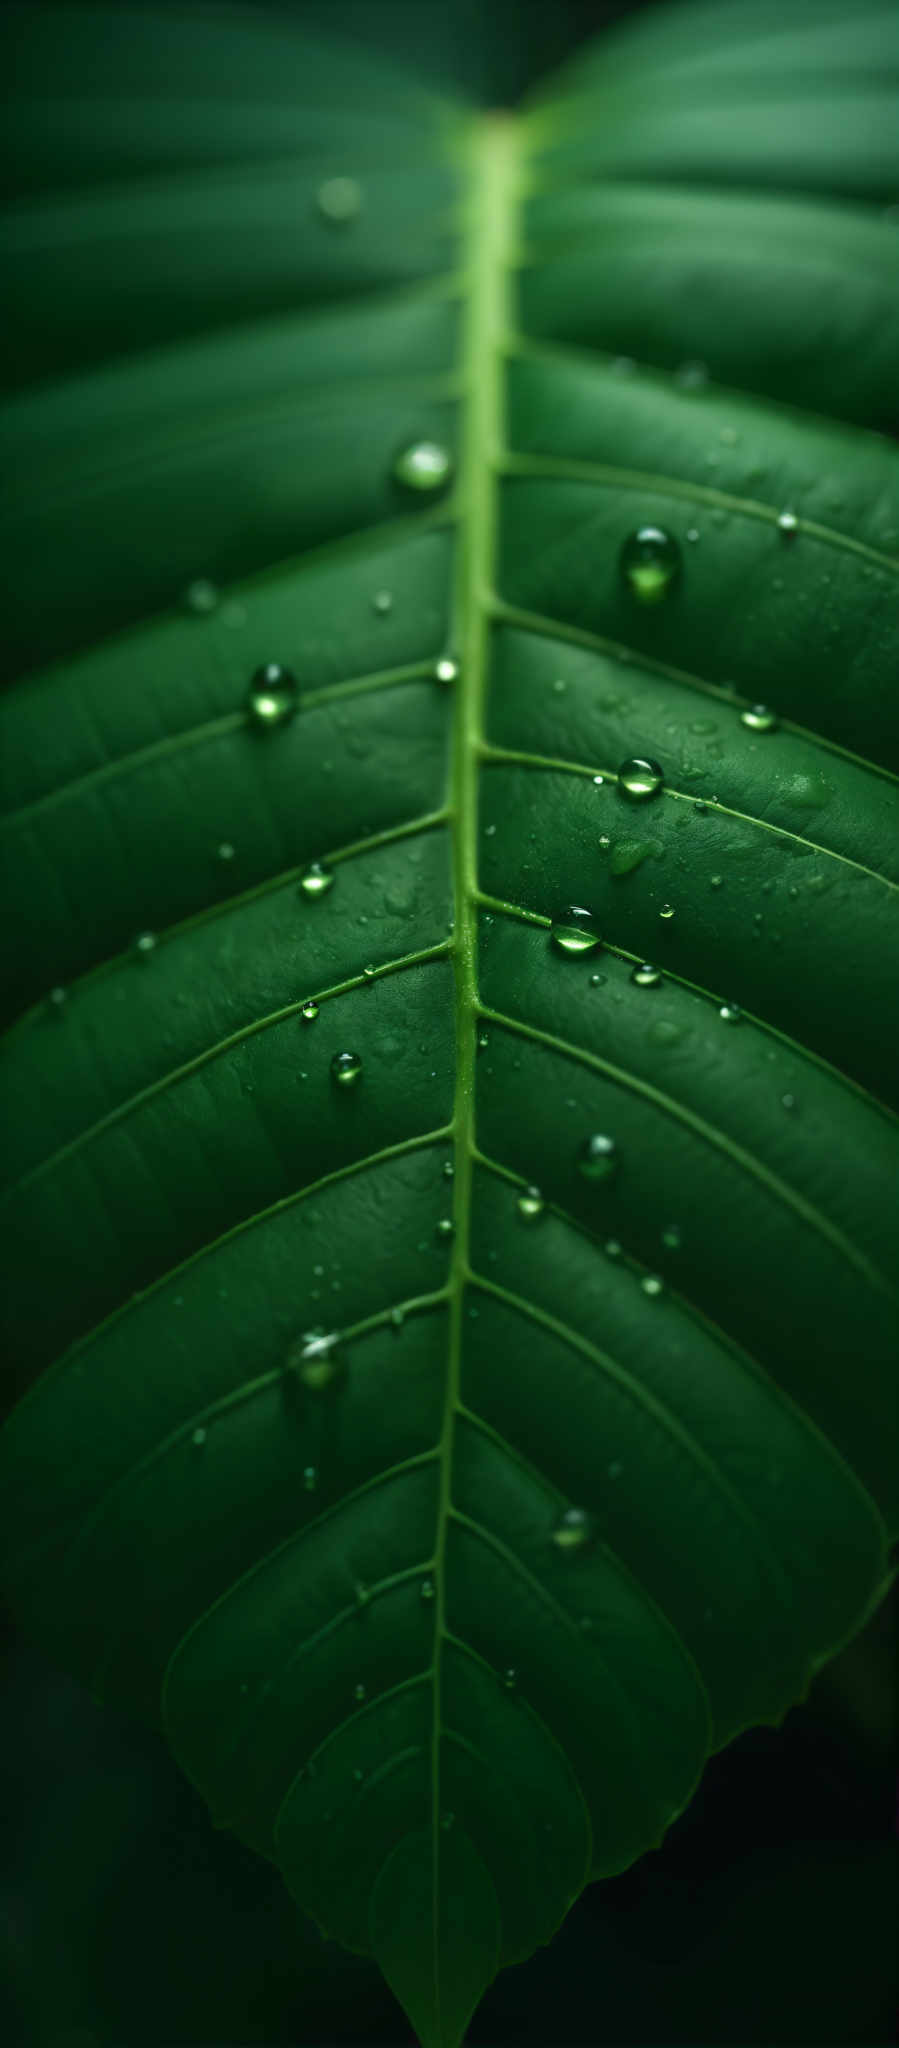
(730,1013)
(273,696)
(646,976)
(346,1068)
(201,597)
(574,931)
(666,910)
(423,466)
(316,880)
(316,1360)
(309,1012)
(530,1204)
(144,944)
(639,779)
(759,718)
(339,200)
(598,1157)
(310,1478)
(652,1285)
(574,1530)
(788,523)
(649,562)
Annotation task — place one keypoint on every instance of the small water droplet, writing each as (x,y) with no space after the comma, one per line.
(788,1101)
(316,1359)
(309,1012)
(692,533)
(615,1470)
(446,1821)
(358,1776)
(225,850)
(666,910)
(483,1041)
(530,1204)
(649,562)
(671,1237)
(598,781)
(446,670)
(145,944)
(201,596)
(445,1227)
(692,375)
(423,466)
(346,1068)
(369,973)
(730,1013)
(612,1248)
(58,998)
(652,1285)
(574,931)
(510,1678)
(427,1590)
(787,523)
(273,696)
(639,779)
(199,1438)
(382,603)
(316,880)
(604,842)
(759,718)
(448,1169)
(574,1530)
(716,882)
(310,1478)
(645,975)
(729,436)
(598,1157)
(339,200)
(597,981)
(359,1692)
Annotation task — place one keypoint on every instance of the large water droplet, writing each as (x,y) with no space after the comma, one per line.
(274,695)
(316,1359)
(646,976)
(598,1157)
(339,200)
(759,718)
(346,1068)
(309,1012)
(423,466)
(639,779)
(650,560)
(530,1204)
(574,1530)
(574,931)
(316,880)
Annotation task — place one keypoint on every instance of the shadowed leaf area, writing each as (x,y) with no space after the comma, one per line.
(451,883)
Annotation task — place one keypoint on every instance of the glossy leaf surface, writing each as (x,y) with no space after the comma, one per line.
(529,447)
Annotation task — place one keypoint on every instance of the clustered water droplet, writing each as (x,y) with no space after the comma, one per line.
(530,1204)
(346,1068)
(427,1590)
(574,931)
(423,466)
(310,1478)
(273,696)
(640,779)
(650,561)
(598,1157)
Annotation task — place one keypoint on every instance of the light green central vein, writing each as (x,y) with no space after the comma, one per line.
(494,178)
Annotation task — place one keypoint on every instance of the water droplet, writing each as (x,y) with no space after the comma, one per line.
(666,910)
(58,998)
(316,880)
(530,1204)
(597,981)
(201,596)
(758,718)
(612,1248)
(788,1101)
(574,931)
(309,1012)
(199,1438)
(359,1692)
(652,1285)
(445,1227)
(358,1776)
(671,1237)
(510,1678)
(692,533)
(310,1478)
(339,200)
(361,1593)
(604,842)
(639,779)
(573,1530)
(787,523)
(369,973)
(615,1470)
(483,1041)
(730,1013)
(382,603)
(650,561)
(446,670)
(144,944)
(598,1157)
(316,1359)
(427,1590)
(274,695)
(423,466)
(346,1068)
(716,882)
(225,850)
(448,1169)
(691,376)
(646,976)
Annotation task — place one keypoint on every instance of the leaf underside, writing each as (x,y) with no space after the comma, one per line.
(666,295)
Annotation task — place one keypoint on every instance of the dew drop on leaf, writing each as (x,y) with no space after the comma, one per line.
(339,200)
(201,597)
(650,560)
(574,931)
(225,850)
(730,1013)
(645,975)
(145,944)
(58,999)
(598,1157)
(199,1438)
(316,1359)
(666,910)
(445,1227)
(273,696)
(530,1204)
(787,524)
(382,603)
(639,779)
(759,718)
(446,670)
(652,1285)
(423,466)
(574,1530)
(316,880)
(309,1012)
(346,1068)
(427,1590)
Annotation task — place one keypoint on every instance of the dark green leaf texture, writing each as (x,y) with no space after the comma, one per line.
(350,1606)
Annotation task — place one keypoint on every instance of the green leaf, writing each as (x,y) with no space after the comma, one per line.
(446,1487)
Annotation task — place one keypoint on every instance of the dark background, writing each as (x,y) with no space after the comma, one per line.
(768,1916)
